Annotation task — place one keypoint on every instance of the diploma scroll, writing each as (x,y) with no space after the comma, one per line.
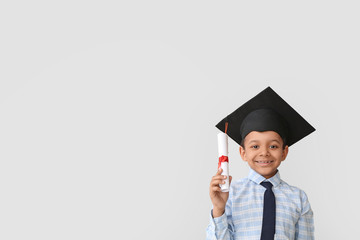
(223,159)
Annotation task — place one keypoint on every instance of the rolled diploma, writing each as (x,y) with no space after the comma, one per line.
(223,151)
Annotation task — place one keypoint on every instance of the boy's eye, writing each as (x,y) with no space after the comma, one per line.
(273,146)
(255,146)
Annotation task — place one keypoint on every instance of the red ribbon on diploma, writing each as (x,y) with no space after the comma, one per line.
(222,159)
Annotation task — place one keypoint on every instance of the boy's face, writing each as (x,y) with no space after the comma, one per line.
(264,152)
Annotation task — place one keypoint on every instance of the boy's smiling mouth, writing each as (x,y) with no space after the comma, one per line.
(264,162)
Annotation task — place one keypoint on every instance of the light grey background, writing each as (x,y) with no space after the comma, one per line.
(108,111)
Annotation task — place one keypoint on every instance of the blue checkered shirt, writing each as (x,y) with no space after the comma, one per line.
(242,219)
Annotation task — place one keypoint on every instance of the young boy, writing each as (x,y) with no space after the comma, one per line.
(262,206)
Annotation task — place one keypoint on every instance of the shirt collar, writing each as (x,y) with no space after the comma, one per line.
(257,178)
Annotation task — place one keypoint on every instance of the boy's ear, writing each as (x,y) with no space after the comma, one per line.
(285,153)
(242,153)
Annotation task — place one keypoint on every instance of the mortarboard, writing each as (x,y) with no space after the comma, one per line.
(267,111)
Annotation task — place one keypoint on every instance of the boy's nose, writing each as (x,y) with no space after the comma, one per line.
(264,152)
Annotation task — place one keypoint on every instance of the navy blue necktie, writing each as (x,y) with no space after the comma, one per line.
(268,224)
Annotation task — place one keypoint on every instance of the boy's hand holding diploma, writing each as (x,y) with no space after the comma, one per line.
(218,198)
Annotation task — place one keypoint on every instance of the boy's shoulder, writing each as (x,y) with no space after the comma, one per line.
(294,191)
(241,184)
(241,181)
(286,185)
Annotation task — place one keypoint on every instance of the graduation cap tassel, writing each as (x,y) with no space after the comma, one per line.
(226,126)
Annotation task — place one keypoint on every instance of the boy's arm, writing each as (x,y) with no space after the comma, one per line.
(305,226)
(221,228)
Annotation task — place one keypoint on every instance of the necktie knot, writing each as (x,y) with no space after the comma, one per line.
(267,185)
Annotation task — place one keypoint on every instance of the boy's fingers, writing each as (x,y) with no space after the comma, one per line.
(219,171)
(219,177)
(217,182)
(216,189)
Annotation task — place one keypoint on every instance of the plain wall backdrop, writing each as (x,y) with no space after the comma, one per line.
(108,111)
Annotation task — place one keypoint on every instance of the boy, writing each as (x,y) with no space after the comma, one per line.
(262,206)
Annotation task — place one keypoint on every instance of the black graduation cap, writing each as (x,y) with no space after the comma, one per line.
(267,111)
